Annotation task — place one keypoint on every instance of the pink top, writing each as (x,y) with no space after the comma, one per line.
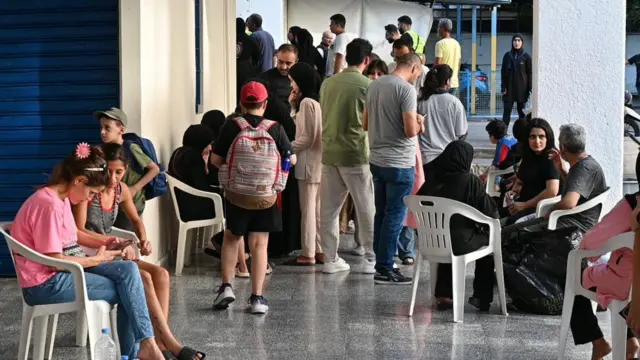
(613,279)
(45,224)
(417,184)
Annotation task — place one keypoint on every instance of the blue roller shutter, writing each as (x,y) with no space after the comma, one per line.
(59,61)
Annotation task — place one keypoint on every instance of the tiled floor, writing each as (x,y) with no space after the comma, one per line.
(316,316)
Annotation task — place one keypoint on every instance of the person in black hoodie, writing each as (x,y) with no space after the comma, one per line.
(247,56)
(307,53)
(516,78)
(453,180)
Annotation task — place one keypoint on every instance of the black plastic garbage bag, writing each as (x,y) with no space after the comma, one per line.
(536,268)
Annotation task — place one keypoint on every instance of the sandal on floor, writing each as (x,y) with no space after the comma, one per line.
(269,269)
(168,355)
(188,353)
(295,262)
(408,261)
(242,275)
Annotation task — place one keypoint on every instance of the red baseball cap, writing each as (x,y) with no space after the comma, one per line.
(253,92)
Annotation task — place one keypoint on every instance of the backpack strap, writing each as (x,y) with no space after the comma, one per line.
(242,123)
(266,124)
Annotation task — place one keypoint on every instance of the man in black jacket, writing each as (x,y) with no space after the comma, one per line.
(516,78)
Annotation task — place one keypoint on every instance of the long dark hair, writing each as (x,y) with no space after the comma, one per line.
(376,65)
(307,53)
(435,80)
(93,167)
(548,130)
(308,81)
(115,152)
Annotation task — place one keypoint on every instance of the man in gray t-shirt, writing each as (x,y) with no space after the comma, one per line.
(390,116)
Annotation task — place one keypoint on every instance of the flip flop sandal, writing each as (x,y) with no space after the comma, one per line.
(408,261)
(242,275)
(188,353)
(168,355)
(294,262)
(269,269)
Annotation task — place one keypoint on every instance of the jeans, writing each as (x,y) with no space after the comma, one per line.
(116,282)
(407,243)
(391,185)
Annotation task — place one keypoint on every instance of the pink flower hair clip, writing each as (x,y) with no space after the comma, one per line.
(83,151)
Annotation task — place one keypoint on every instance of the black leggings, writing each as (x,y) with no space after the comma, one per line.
(508,106)
(584,323)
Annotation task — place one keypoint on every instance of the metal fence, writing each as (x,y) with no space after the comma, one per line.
(487,87)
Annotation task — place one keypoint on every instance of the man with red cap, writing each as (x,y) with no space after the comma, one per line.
(248,153)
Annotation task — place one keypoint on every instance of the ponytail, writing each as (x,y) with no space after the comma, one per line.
(435,80)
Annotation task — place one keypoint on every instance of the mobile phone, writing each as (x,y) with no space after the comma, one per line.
(625,312)
(123,245)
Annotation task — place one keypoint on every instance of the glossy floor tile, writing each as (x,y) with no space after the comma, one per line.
(317,316)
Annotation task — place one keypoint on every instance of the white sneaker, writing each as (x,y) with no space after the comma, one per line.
(336,266)
(358,250)
(368,267)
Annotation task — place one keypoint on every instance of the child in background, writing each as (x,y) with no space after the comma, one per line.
(113,123)
(498,136)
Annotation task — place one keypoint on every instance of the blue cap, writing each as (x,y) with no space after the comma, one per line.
(105,331)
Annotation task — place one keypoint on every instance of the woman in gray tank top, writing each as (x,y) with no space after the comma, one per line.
(96,216)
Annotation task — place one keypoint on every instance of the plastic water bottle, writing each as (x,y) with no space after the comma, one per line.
(496,183)
(105,347)
(286,161)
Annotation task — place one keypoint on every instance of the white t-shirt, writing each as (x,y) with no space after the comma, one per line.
(339,46)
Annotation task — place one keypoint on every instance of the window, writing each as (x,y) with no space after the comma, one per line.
(198,47)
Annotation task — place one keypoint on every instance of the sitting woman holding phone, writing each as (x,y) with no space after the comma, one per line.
(95,217)
(45,224)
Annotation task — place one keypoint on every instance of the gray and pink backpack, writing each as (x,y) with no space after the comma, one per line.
(252,175)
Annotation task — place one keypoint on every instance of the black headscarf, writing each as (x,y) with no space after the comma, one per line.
(513,49)
(240,27)
(294,30)
(307,53)
(455,159)
(307,80)
(197,137)
(213,119)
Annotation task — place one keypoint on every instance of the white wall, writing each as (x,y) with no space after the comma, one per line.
(274,16)
(158,82)
(564,65)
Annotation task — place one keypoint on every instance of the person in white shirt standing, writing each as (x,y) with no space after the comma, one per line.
(336,61)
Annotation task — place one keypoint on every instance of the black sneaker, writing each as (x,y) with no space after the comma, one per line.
(259,304)
(391,277)
(224,298)
(479,304)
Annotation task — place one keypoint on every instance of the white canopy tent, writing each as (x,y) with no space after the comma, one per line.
(365,18)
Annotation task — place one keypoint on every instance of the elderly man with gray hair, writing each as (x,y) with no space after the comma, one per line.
(448,52)
(582,178)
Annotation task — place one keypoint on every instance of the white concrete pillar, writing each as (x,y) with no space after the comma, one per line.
(221,35)
(578,74)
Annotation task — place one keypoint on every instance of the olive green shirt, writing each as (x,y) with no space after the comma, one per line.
(131,177)
(342,98)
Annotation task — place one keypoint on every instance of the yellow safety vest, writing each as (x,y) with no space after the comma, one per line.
(418,42)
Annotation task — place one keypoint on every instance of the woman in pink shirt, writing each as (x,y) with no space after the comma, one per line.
(45,224)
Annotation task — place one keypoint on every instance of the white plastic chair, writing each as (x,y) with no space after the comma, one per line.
(432,215)
(491,179)
(574,287)
(125,234)
(216,223)
(544,208)
(94,315)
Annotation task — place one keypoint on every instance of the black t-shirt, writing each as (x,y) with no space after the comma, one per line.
(230,130)
(587,179)
(635,60)
(279,85)
(247,59)
(534,173)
